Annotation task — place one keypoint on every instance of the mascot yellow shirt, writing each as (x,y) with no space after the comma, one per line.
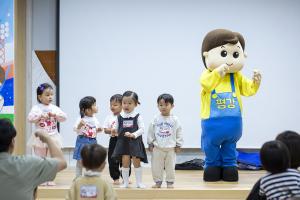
(211,80)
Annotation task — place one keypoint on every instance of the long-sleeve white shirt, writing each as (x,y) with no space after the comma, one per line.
(140,123)
(49,124)
(89,129)
(165,132)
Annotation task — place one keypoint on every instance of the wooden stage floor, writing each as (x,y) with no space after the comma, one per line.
(188,185)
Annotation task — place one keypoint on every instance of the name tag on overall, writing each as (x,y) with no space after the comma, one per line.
(127,123)
(88,191)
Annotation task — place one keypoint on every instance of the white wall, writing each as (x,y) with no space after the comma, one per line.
(151,47)
(44,24)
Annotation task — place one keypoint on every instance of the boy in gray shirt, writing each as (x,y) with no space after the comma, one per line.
(164,140)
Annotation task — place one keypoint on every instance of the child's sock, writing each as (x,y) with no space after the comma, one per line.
(125,175)
(138,176)
(78,169)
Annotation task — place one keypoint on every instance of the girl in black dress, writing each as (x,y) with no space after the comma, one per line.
(129,128)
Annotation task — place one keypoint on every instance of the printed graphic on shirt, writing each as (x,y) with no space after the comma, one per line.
(48,124)
(88,191)
(89,130)
(165,129)
(127,123)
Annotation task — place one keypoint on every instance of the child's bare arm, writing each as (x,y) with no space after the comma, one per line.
(107,130)
(99,129)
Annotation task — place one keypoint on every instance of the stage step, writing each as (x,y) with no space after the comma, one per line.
(188,185)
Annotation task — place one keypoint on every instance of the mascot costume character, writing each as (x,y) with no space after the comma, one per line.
(223,54)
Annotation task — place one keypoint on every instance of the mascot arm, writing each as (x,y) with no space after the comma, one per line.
(210,80)
(247,87)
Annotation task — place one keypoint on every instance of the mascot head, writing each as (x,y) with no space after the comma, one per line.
(223,46)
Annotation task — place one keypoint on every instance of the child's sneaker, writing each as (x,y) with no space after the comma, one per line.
(157,185)
(140,185)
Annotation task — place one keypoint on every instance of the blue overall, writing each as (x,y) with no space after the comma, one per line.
(222,130)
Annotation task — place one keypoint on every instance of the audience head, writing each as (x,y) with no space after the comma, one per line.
(275,156)
(292,140)
(7,134)
(93,157)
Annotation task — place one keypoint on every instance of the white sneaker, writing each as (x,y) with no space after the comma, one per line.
(140,185)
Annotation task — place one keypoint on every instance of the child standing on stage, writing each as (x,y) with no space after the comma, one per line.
(87,127)
(130,127)
(91,185)
(165,140)
(114,164)
(45,116)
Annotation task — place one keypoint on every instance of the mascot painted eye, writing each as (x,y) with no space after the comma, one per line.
(223,53)
(235,54)
(222,86)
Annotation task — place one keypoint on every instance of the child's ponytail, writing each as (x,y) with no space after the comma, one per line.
(81,113)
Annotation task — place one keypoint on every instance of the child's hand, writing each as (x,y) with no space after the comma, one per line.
(52,114)
(177,149)
(99,129)
(107,130)
(256,77)
(114,133)
(151,148)
(130,135)
(45,115)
